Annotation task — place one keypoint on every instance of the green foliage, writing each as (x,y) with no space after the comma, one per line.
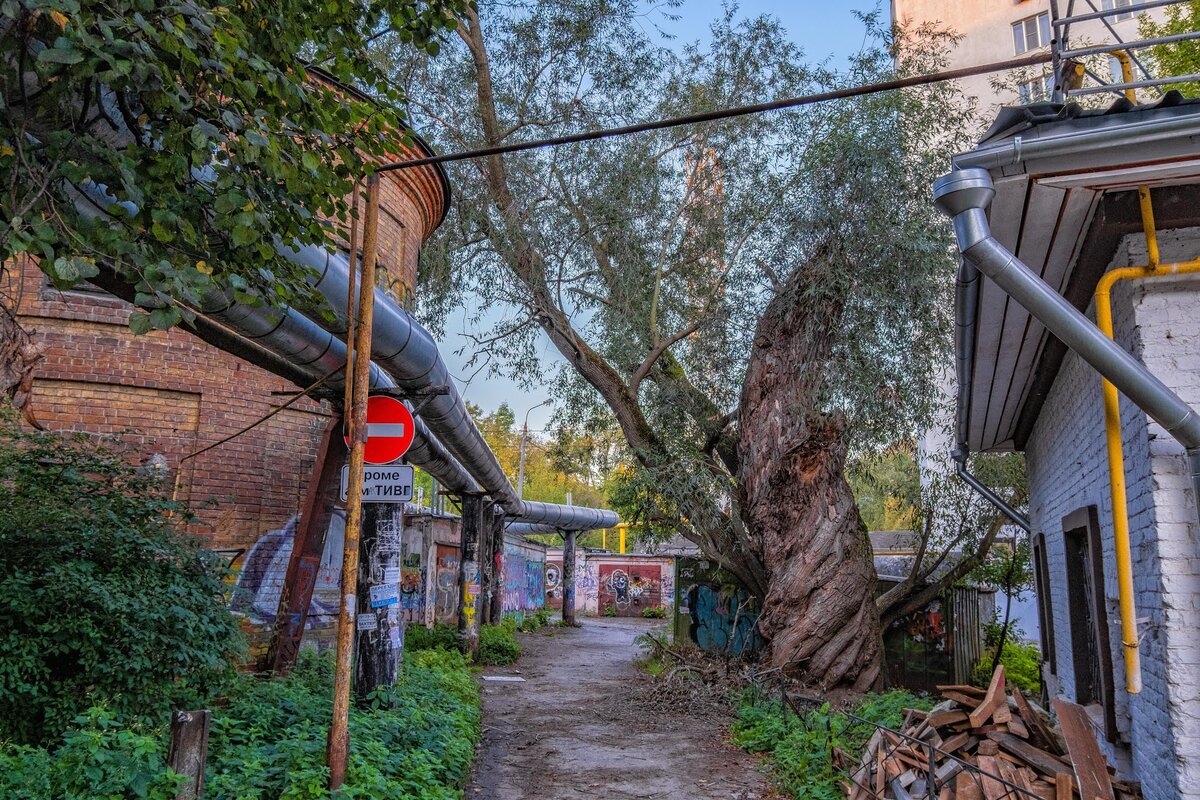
(609,611)
(887,487)
(440,637)
(411,740)
(1022,662)
(801,747)
(654,612)
(98,759)
(498,643)
(536,620)
(103,600)
(138,96)
(1179,58)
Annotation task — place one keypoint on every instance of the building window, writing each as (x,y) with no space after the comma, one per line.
(1091,654)
(1031,33)
(1035,91)
(1109,5)
(1041,581)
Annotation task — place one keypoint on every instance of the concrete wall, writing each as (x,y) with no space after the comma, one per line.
(522,576)
(625,582)
(1159,729)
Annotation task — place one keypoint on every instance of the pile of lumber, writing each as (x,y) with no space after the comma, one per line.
(987,745)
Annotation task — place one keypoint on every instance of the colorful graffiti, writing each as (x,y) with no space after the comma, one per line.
(713,612)
(446,585)
(523,579)
(628,588)
(260,577)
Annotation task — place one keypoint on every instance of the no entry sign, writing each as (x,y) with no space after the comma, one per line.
(389,430)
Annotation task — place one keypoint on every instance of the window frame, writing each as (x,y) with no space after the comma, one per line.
(1021,30)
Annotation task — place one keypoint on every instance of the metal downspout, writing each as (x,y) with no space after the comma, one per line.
(966,297)
(963,195)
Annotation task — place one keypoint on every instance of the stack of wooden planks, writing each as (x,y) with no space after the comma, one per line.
(988,744)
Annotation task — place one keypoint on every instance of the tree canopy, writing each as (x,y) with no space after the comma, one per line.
(208,125)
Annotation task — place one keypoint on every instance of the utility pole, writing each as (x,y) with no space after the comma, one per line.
(338,746)
(379,632)
(524,441)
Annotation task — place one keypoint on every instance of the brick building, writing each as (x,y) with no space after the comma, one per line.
(1066,203)
(171,394)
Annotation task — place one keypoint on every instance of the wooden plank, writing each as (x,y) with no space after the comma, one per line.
(1043,762)
(1041,733)
(941,718)
(962,688)
(993,701)
(1016,726)
(1091,770)
(1064,787)
(966,786)
(955,742)
(989,770)
(968,700)
(880,771)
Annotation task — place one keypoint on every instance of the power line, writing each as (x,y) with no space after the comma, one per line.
(727,113)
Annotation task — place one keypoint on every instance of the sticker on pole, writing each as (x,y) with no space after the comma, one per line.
(387,484)
(390,430)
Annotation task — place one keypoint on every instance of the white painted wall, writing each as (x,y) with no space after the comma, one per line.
(1158,321)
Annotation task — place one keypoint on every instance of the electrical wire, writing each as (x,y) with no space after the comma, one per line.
(726,113)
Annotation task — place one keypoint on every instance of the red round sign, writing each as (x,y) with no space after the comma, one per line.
(390,430)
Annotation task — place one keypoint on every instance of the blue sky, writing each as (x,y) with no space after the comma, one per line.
(821,28)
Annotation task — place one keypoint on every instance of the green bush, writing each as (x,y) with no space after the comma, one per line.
(654,612)
(103,600)
(413,740)
(610,611)
(535,620)
(440,637)
(1022,662)
(99,759)
(498,643)
(801,747)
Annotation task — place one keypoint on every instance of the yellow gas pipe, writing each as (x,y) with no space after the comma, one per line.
(1112,430)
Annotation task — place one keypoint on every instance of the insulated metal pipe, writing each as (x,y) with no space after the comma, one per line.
(297,338)
(410,354)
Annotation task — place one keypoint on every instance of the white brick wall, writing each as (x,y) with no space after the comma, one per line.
(1158,321)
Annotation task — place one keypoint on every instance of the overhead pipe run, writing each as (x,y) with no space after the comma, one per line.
(409,354)
(295,337)
(964,195)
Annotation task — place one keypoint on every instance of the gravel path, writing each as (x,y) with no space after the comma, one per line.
(580,726)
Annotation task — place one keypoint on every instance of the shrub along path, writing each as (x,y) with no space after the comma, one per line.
(579,726)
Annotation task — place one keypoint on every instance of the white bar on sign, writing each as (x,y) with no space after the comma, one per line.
(385,429)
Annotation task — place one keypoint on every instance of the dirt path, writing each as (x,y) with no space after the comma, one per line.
(579,727)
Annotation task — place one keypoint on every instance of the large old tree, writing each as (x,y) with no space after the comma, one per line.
(748,299)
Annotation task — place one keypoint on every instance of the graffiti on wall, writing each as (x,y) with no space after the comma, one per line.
(714,612)
(470,593)
(446,584)
(628,588)
(523,578)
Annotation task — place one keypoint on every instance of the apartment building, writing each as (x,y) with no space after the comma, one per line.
(996,31)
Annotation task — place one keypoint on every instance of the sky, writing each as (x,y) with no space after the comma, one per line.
(822,29)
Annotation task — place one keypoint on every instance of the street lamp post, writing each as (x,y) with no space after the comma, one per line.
(524,440)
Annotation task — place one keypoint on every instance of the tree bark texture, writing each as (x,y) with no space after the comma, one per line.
(819,613)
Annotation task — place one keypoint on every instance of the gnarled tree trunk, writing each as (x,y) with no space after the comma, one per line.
(819,613)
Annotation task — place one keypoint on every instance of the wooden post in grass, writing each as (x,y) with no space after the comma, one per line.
(189,750)
(338,746)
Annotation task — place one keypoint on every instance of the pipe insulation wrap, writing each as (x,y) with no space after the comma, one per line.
(410,355)
(413,364)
